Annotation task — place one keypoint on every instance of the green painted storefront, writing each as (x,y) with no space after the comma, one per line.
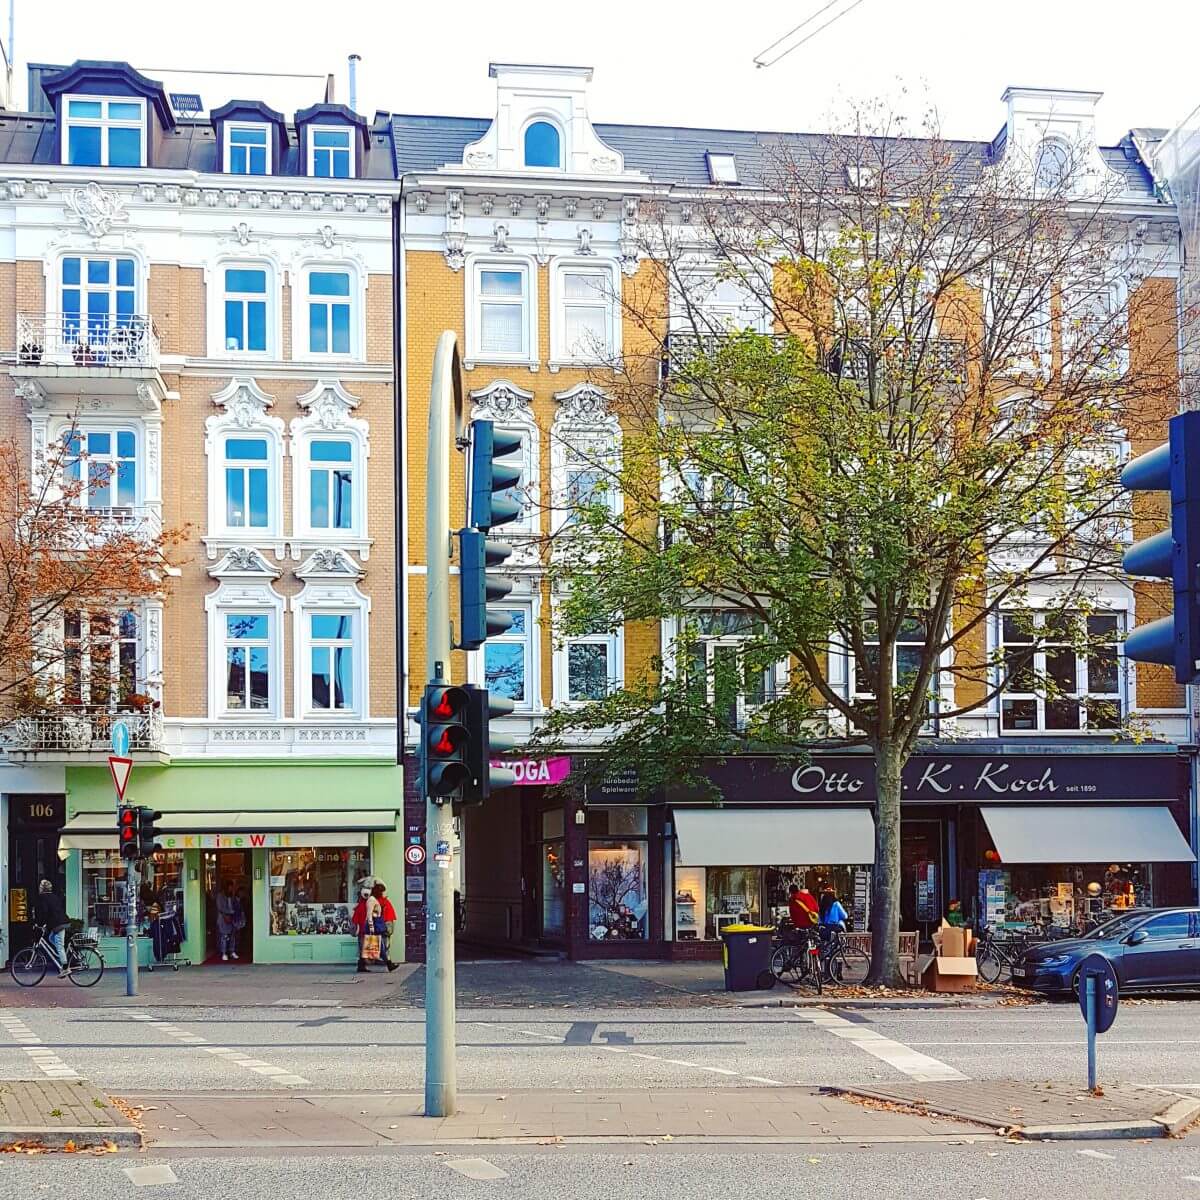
(265,811)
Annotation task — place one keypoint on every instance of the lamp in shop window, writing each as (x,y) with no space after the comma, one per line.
(1094,889)
(991,856)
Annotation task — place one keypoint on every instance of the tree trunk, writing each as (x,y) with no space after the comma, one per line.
(885,888)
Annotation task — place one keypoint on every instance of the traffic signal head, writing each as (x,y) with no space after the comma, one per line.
(1172,553)
(445,741)
(147,833)
(478,585)
(496,466)
(483,744)
(127,831)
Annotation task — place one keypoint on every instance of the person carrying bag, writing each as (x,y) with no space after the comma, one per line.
(385,924)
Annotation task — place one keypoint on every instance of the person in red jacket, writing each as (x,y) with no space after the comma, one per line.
(802,907)
(387,915)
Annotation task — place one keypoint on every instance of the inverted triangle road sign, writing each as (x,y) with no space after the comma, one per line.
(119,768)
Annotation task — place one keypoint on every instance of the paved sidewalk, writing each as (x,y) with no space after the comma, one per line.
(55,1112)
(718,1115)
(1046,1110)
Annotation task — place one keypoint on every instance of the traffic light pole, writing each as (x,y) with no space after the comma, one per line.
(445,400)
(131,905)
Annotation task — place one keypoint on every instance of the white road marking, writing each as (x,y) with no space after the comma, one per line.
(275,1074)
(150,1176)
(476,1168)
(41,1056)
(1095,1154)
(909,1062)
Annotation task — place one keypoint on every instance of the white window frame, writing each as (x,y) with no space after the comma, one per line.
(476,265)
(216,307)
(326,596)
(86,660)
(86,256)
(689,292)
(1115,293)
(112,427)
(713,643)
(329,408)
(526,596)
(247,126)
(300,275)
(614,643)
(244,415)
(245,299)
(104,123)
(1121,699)
(509,407)
(556,124)
(259,598)
(313,149)
(856,692)
(609,272)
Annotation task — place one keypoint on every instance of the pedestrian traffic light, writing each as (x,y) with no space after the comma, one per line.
(147,833)
(127,831)
(443,721)
(1172,553)
(483,745)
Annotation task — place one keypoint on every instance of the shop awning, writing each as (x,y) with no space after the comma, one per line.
(1067,833)
(763,837)
(237,830)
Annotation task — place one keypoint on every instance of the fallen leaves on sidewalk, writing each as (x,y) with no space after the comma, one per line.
(133,1113)
(71,1147)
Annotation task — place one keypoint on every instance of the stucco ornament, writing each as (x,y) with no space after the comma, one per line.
(96,208)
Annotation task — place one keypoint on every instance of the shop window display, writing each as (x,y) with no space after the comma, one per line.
(104,898)
(314,890)
(1074,897)
(618,875)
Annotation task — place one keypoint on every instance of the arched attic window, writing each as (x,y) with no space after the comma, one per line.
(543,145)
(1053,165)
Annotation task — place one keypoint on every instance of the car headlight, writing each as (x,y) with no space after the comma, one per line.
(1055,960)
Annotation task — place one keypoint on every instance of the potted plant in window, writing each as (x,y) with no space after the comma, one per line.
(30,351)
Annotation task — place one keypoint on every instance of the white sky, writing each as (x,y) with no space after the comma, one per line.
(686,62)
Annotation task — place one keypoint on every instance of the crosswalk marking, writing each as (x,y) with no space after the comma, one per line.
(276,1074)
(910,1062)
(40,1055)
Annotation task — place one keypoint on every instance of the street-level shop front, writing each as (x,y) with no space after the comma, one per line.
(1021,834)
(294,862)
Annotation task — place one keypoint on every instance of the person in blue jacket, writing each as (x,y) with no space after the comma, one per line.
(832,913)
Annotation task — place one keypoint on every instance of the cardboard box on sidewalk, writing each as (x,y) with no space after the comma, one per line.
(949,973)
(953,941)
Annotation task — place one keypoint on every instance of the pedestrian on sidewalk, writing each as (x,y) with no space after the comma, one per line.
(52,913)
(386,923)
(367,914)
(230,919)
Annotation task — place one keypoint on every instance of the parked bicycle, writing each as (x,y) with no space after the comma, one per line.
(796,958)
(843,963)
(84,966)
(997,953)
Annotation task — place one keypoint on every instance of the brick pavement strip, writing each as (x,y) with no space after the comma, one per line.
(1045,1110)
(56,1111)
(743,1115)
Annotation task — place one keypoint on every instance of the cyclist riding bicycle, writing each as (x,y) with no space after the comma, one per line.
(52,913)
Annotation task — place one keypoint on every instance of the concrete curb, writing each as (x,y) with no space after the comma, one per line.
(831,1002)
(1180,1113)
(83,1135)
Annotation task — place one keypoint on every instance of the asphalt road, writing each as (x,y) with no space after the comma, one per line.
(165,1049)
(979,1171)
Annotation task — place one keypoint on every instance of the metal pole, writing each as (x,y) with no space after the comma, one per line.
(1090,984)
(440,1068)
(131,904)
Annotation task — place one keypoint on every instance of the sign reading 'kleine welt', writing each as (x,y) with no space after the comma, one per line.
(536,772)
(232,841)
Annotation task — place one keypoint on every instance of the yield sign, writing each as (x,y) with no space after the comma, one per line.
(119,768)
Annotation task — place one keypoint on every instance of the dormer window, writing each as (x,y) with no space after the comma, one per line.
(1053,165)
(331,152)
(543,146)
(247,150)
(722,168)
(100,131)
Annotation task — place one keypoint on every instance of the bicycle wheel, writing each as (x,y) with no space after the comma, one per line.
(849,966)
(783,962)
(28,966)
(811,970)
(989,964)
(86,966)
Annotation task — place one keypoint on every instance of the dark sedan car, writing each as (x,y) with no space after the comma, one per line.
(1148,948)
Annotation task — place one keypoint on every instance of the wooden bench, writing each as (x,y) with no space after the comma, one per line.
(908,952)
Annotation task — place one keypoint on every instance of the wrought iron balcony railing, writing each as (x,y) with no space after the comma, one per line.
(82,729)
(66,339)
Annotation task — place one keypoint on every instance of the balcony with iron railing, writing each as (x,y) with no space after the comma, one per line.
(115,355)
(83,733)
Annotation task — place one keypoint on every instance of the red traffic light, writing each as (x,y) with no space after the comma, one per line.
(446,703)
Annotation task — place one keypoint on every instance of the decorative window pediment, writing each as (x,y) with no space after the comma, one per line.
(329,563)
(503,402)
(511,407)
(244,562)
(585,404)
(245,405)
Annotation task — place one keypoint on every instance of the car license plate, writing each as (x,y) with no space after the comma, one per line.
(1022,973)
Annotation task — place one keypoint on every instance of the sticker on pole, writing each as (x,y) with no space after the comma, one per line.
(1097,967)
(119,768)
(414,855)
